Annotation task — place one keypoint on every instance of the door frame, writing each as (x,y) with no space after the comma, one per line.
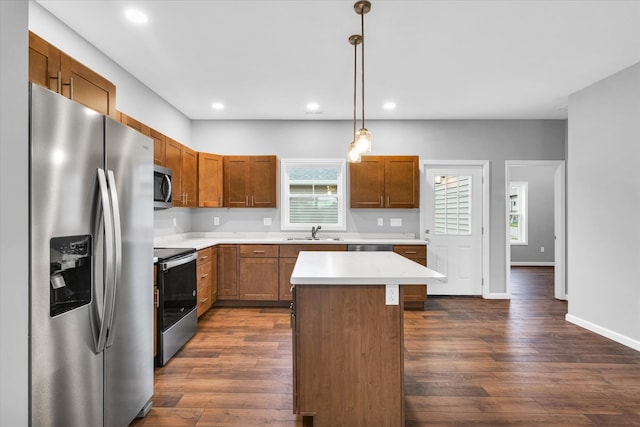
(484,164)
(559,223)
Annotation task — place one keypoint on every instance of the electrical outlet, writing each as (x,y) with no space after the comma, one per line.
(541,248)
(395,222)
(266,221)
(216,220)
(380,222)
(392,294)
(175,222)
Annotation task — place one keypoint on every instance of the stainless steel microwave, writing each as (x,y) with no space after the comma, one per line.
(162,188)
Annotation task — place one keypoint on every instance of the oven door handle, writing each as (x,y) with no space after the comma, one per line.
(179,261)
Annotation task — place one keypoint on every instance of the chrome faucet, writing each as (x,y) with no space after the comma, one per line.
(314,231)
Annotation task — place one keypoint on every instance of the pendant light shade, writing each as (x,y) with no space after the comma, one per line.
(353,155)
(363,141)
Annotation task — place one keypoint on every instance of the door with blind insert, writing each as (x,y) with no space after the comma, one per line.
(453,222)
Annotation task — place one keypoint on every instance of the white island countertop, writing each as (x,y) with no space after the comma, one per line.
(360,268)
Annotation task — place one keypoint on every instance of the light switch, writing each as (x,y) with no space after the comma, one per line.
(175,222)
(216,220)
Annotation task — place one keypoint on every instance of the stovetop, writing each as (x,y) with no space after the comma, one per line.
(165,254)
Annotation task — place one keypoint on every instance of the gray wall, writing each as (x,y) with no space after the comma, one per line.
(539,215)
(494,140)
(603,204)
(14,235)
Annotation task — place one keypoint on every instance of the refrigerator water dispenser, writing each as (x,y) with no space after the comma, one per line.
(69,273)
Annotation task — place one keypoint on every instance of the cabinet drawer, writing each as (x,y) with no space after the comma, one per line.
(204,273)
(204,255)
(258,251)
(411,251)
(291,251)
(204,297)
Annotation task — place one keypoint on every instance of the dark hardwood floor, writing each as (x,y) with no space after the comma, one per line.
(468,362)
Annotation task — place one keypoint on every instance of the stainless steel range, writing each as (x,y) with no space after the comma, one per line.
(177,311)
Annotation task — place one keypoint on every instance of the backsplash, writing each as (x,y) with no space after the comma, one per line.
(171,221)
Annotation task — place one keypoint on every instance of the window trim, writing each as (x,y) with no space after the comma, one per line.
(522,189)
(340,165)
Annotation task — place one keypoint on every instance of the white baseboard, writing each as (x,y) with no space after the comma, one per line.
(612,335)
(496,295)
(532,264)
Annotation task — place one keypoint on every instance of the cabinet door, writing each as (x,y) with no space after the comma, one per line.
(44,63)
(209,180)
(227,272)
(158,147)
(87,87)
(366,183)
(189,177)
(237,181)
(263,181)
(214,275)
(284,282)
(414,295)
(258,279)
(134,124)
(173,160)
(401,182)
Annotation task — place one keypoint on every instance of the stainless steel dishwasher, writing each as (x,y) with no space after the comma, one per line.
(370,247)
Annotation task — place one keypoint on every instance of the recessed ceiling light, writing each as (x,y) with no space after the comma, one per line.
(217,106)
(389,105)
(313,106)
(134,15)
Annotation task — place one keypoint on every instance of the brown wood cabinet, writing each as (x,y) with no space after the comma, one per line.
(209,180)
(258,272)
(214,274)
(288,257)
(183,161)
(134,124)
(227,272)
(158,147)
(348,366)
(414,295)
(57,71)
(250,181)
(203,264)
(385,182)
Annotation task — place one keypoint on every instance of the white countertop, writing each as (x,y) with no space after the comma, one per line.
(203,240)
(359,268)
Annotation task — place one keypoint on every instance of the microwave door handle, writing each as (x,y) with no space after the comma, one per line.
(117,252)
(165,178)
(98,314)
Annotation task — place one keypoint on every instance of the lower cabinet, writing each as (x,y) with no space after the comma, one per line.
(258,272)
(414,295)
(204,263)
(227,272)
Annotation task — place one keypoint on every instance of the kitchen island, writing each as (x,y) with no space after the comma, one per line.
(348,336)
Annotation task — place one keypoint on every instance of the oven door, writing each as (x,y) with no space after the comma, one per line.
(177,290)
(162,188)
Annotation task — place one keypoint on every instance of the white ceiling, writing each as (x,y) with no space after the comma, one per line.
(436,59)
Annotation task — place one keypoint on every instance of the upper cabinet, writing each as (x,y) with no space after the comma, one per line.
(250,181)
(158,147)
(57,71)
(209,180)
(183,161)
(385,182)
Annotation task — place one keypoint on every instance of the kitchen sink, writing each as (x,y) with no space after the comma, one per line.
(335,239)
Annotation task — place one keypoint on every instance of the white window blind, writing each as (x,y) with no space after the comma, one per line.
(518,213)
(452,205)
(313,194)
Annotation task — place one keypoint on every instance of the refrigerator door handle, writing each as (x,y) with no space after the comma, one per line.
(99,323)
(117,251)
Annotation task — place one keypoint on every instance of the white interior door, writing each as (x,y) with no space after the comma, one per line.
(453,227)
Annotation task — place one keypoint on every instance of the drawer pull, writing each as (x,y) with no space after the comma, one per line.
(410,252)
(203,300)
(204,257)
(204,276)
(258,252)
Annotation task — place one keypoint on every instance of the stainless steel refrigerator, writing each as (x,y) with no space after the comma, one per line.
(91,266)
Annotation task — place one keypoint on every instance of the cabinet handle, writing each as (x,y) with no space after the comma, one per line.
(382,201)
(70,84)
(204,257)
(203,300)
(258,252)
(204,276)
(252,205)
(156,298)
(58,78)
(387,201)
(410,252)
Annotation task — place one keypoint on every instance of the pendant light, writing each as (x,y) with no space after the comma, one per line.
(363,136)
(353,153)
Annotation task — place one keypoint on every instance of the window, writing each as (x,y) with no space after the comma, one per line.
(452,205)
(518,213)
(313,193)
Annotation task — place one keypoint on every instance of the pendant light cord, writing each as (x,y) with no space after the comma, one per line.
(355,81)
(362,56)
